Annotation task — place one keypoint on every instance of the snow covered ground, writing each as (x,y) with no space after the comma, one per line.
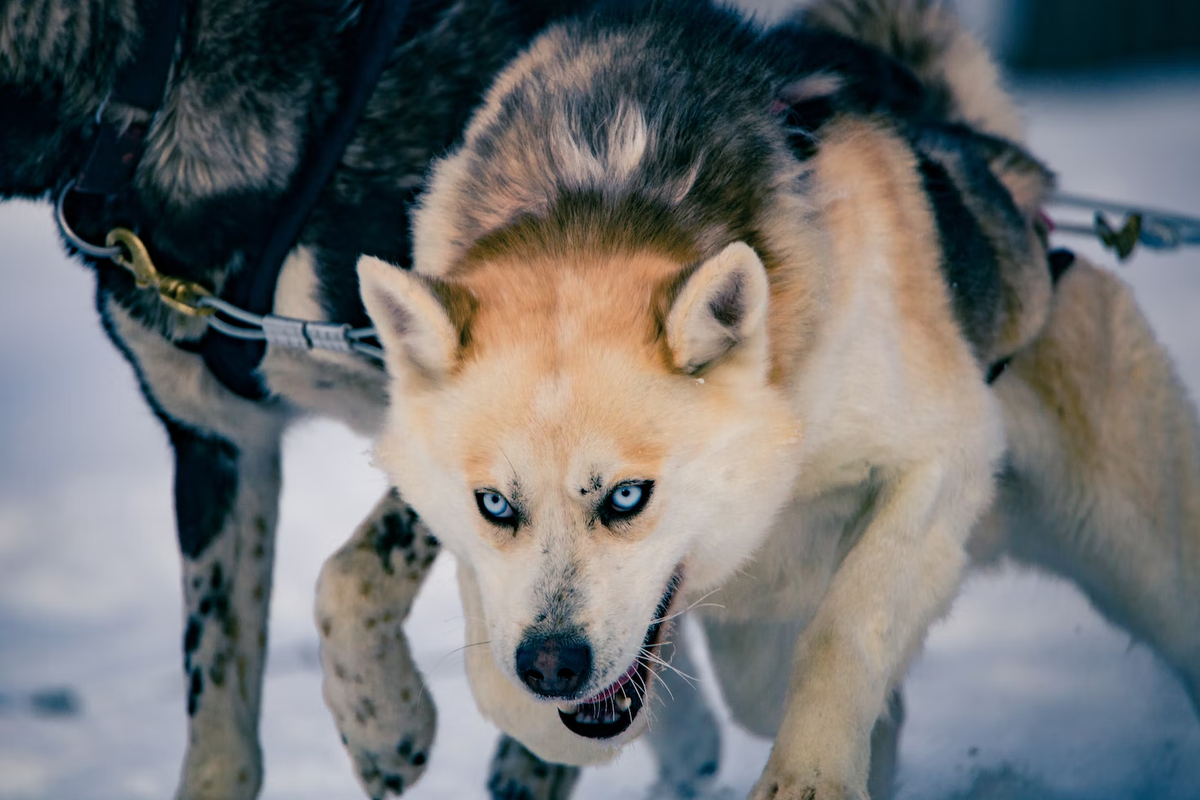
(1022,692)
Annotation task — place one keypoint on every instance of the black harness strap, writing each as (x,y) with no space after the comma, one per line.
(252,289)
(140,84)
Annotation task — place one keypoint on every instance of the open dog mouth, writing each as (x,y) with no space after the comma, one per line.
(611,711)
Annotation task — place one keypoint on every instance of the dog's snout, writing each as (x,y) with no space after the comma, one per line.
(554,665)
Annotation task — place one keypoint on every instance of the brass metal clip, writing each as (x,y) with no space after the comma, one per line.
(1122,240)
(183,296)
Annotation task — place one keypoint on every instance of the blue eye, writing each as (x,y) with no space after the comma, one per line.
(626,500)
(626,497)
(495,508)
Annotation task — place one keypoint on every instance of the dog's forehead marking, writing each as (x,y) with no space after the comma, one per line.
(551,398)
(610,157)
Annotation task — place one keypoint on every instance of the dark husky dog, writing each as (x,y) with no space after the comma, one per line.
(251,86)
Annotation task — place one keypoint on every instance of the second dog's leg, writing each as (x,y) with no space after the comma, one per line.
(227,480)
(227,488)
(378,698)
(226,503)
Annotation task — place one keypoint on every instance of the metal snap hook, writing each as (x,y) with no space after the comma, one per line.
(71,236)
(185,297)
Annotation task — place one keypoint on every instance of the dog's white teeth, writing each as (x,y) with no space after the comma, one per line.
(569,709)
(623,702)
(609,717)
(585,718)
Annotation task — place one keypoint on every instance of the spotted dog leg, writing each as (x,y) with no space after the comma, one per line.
(377,696)
(683,733)
(226,508)
(227,481)
(518,774)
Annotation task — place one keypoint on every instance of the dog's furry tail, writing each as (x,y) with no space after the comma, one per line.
(926,36)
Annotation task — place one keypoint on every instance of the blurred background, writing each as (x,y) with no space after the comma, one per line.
(1022,692)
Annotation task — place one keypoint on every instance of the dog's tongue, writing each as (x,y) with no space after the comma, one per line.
(614,688)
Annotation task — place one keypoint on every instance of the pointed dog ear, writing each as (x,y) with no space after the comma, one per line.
(720,306)
(421,322)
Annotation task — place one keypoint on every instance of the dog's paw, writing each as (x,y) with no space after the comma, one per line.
(387,772)
(386,718)
(518,774)
(778,785)
(389,746)
(229,773)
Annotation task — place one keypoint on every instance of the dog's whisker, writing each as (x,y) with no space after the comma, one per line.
(654,674)
(696,604)
(646,689)
(690,679)
(664,684)
(639,686)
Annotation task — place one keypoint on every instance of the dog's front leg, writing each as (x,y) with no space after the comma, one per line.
(896,579)
(378,699)
(226,501)
(227,482)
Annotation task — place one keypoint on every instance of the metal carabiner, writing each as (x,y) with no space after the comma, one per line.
(183,296)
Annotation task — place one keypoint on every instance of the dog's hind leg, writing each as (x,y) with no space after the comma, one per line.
(227,482)
(1104,478)
(683,730)
(371,684)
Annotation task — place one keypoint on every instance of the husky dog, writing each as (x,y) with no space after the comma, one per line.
(765,317)
(252,85)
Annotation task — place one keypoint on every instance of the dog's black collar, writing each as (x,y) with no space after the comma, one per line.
(140,84)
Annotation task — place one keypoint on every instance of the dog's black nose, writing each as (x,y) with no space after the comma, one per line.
(554,665)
